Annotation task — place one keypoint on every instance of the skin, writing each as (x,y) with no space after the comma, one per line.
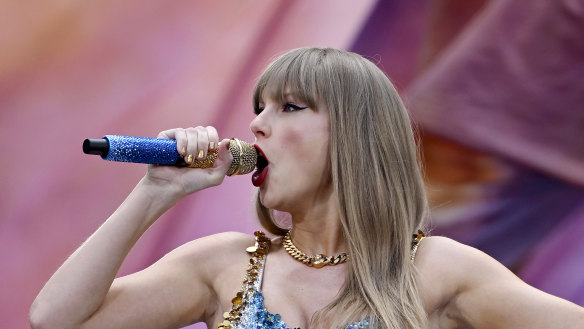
(197,281)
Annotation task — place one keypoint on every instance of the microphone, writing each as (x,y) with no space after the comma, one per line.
(162,151)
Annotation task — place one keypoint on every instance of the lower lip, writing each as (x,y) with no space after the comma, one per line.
(257,179)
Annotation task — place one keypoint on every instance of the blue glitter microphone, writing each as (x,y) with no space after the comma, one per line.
(162,151)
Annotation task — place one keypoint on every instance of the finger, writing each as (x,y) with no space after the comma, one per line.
(179,135)
(203,143)
(182,142)
(225,157)
(192,144)
(213,138)
(168,134)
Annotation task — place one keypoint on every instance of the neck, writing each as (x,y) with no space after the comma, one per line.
(318,230)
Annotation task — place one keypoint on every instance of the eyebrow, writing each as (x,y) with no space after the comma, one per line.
(286,95)
(291,95)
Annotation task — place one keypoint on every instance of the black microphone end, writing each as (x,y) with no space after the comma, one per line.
(97,146)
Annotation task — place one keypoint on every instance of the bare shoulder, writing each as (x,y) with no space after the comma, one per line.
(463,286)
(215,250)
(433,247)
(210,260)
(456,266)
(216,262)
(436,261)
(441,255)
(224,241)
(446,269)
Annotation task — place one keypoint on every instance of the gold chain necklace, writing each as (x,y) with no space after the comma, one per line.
(317,261)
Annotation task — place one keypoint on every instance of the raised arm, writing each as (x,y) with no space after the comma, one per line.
(480,293)
(83,292)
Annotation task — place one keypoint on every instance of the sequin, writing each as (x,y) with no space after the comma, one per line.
(142,150)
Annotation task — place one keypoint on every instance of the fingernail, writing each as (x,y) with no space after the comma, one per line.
(190,158)
(211,145)
(200,156)
(184,150)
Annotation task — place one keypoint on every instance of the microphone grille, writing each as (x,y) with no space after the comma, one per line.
(245,157)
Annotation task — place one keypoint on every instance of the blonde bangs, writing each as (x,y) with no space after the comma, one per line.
(289,74)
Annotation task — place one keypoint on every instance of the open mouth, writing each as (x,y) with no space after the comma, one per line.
(259,175)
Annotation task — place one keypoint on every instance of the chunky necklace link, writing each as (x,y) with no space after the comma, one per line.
(317,261)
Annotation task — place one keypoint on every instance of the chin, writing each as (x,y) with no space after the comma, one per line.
(270,202)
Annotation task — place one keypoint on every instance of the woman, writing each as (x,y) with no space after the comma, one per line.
(339,156)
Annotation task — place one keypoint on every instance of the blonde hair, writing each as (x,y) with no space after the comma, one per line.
(376,177)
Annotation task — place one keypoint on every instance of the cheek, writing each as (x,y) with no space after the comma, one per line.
(293,137)
(307,149)
(293,140)
(311,133)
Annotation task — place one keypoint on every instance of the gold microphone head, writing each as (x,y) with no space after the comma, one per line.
(245,157)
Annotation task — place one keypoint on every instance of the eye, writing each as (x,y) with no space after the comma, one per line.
(290,107)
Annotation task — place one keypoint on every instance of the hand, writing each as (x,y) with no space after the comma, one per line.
(192,144)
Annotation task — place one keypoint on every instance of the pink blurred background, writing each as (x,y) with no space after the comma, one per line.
(495,87)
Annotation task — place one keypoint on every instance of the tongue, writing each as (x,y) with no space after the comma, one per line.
(257,178)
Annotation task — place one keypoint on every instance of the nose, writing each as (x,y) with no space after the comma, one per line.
(259,125)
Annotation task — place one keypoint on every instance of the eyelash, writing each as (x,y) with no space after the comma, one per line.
(294,107)
(288,107)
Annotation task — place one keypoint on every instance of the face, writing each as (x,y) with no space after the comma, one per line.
(294,140)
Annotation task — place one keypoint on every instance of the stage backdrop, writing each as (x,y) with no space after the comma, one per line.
(494,86)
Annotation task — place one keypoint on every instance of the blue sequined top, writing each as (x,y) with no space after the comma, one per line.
(248,310)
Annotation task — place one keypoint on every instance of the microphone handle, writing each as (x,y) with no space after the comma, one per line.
(148,150)
(161,151)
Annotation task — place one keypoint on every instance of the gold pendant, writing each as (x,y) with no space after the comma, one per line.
(318,261)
